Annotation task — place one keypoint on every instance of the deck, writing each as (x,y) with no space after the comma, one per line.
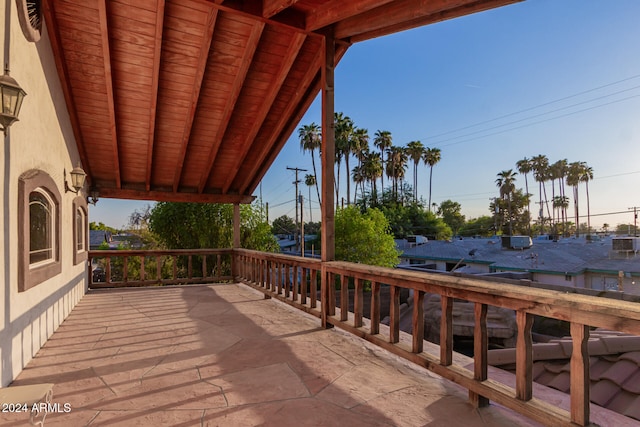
(207,355)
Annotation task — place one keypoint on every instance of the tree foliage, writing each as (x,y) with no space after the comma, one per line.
(414,219)
(364,238)
(451,213)
(209,225)
(283,225)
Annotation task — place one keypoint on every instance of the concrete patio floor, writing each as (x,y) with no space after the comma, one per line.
(222,355)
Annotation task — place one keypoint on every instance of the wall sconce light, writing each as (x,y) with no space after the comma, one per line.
(93,197)
(77,180)
(11,96)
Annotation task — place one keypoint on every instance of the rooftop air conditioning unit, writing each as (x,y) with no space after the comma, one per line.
(626,244)
(516,242)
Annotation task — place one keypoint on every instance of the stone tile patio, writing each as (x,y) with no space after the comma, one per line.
(222,355)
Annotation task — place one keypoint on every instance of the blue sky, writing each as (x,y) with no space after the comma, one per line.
(559,78)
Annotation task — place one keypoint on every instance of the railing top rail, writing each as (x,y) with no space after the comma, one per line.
(272,256)
(139,252)
(590,310)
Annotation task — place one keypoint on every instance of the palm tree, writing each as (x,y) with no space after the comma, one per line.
(372,165)
(506,184)
(415,150)
(586,176)
(431,157)
(573,179)
(343,134)
(360,148)
(358,176)
(310,181)
(396,166)
(382,141)
(540,164)
(524,167)
(311,140)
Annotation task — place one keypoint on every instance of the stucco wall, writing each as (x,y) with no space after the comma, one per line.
(43,140)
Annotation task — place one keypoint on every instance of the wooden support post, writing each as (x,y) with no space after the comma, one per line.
(328,154)
(480,353)
(580,379)
(524,356)
(446,331)
(418,321)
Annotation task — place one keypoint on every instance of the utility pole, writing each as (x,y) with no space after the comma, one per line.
(296,182)
(635,220)
(302,225)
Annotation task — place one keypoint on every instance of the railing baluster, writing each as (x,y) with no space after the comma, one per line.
(358,303)
(314,288)
(418,321)
(287,276)
(279,276)
(394,315)
(108,270)
(480,355)
(331,285)
(304,289)
(375,308)
(580,379)
(125,269)
(524,356)
(446,331)
(294,288)
(344,297)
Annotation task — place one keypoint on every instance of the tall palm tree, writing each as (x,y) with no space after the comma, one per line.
(372,165)
(311,140)
(343,135)
(573,179)
(586,176)
(358,176)
(310,181)
(431,157)
(396,166)
(506,184)
(524,167)
(540,164)
(360,148)
(415,150)
(382,141)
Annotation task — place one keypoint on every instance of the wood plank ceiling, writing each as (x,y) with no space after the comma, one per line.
(191,100)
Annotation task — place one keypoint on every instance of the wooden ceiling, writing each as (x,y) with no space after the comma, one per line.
(191,100)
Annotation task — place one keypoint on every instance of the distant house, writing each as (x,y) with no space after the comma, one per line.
(98,237)
(577,263)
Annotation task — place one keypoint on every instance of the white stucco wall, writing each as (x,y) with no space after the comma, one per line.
(42,139)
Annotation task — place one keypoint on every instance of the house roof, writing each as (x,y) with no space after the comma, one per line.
(567,256)
(614,368)
(191,100)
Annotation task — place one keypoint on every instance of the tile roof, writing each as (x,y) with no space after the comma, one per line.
(614,368)
(566,256)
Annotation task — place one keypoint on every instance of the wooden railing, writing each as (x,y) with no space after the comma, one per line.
(292,279)
(118,268)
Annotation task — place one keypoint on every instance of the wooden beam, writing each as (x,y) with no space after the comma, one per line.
(111,109)
(205,48)
(236,226)
(480,349)
(524,356)
(292,116)
(155,84)
(272,7)
(63,73)
(406,14)
(328,149)
(337,10)
(170,196)
(250,50)
(267,101)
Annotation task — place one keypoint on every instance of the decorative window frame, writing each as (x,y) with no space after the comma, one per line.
(80,204)
(28,276)
(30,17)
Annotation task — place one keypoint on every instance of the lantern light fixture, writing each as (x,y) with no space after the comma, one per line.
(77,180)
(11,96)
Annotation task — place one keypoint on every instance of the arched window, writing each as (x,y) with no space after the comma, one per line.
(41,225)
(38,229)
(80,227)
